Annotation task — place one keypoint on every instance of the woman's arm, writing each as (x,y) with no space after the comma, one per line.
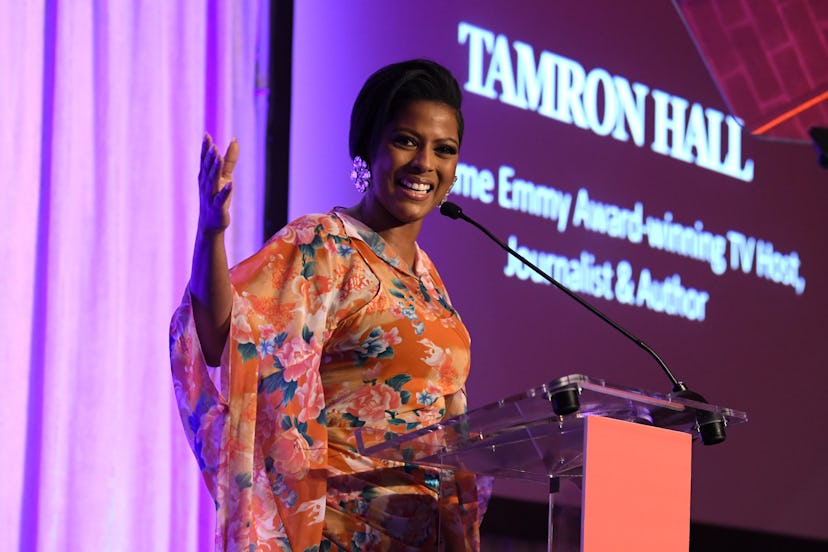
(212,297)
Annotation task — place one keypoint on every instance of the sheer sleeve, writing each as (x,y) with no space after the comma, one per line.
(197,391)
(258,427)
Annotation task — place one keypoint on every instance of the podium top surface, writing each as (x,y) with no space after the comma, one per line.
(538,434)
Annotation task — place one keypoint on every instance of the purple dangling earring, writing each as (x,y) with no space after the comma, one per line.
(360,174)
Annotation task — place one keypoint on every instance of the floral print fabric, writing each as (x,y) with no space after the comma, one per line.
(330,334)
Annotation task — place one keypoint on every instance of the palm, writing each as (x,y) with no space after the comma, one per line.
(214,185)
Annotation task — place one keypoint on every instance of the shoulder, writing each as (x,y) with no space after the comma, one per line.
(424,258)
(427,271)
(309,239)
(305,229)
(424,263)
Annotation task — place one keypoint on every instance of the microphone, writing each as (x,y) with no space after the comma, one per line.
(711,425)
(453,211)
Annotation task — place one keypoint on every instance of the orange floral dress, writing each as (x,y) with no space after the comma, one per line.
(330,334)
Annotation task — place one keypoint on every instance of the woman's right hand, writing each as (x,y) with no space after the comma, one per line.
(210,290)
(215,184)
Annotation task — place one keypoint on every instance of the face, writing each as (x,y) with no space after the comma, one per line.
(414,165)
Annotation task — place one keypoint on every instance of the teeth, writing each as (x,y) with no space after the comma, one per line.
(416,186)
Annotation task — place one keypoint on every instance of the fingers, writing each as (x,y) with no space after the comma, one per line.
(206,142)
(215,163)
(216,171)
(215,185)
(230,158)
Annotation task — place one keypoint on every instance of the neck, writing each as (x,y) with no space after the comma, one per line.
(400,236)
(403,241)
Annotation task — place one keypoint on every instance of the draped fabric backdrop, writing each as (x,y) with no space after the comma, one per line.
(102,109)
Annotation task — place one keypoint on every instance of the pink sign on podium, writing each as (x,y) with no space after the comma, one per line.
(636,492)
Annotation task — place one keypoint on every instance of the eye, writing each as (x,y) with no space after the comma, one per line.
(405,141)
(446,150)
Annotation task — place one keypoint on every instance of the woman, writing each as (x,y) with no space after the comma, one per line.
(339,324)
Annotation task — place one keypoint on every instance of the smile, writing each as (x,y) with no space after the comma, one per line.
(416,186)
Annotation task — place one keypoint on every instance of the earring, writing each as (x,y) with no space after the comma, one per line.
(360,174)
(445,197)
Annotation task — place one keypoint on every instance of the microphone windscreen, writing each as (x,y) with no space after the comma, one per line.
(451,210)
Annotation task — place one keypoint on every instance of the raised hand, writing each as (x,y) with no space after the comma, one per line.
(215,185)
(210,289)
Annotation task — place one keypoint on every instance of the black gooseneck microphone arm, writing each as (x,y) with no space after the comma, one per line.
(711,427)
(452,210)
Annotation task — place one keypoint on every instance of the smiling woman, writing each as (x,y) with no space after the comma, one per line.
(341,322)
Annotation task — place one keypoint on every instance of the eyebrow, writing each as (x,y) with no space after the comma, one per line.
(412,131)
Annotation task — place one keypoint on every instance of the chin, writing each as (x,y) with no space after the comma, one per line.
(410,216)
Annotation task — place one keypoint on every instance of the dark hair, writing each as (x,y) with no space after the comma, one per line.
(389,90)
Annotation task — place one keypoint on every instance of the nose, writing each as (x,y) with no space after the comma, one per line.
(423,160)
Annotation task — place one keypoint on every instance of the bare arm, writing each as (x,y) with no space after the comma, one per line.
(210,290)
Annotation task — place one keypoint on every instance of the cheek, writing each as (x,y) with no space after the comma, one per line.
(447,173)
(381,166)
(387,166)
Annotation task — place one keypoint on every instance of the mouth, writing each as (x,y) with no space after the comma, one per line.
(416,185)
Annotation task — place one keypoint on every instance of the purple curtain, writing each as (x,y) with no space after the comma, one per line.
(102,109)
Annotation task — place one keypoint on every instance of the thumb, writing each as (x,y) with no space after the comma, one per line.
(230,158)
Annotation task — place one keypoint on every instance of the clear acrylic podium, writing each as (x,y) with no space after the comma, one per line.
(629,449)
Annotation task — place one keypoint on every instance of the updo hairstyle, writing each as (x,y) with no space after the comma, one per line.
(392,88)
